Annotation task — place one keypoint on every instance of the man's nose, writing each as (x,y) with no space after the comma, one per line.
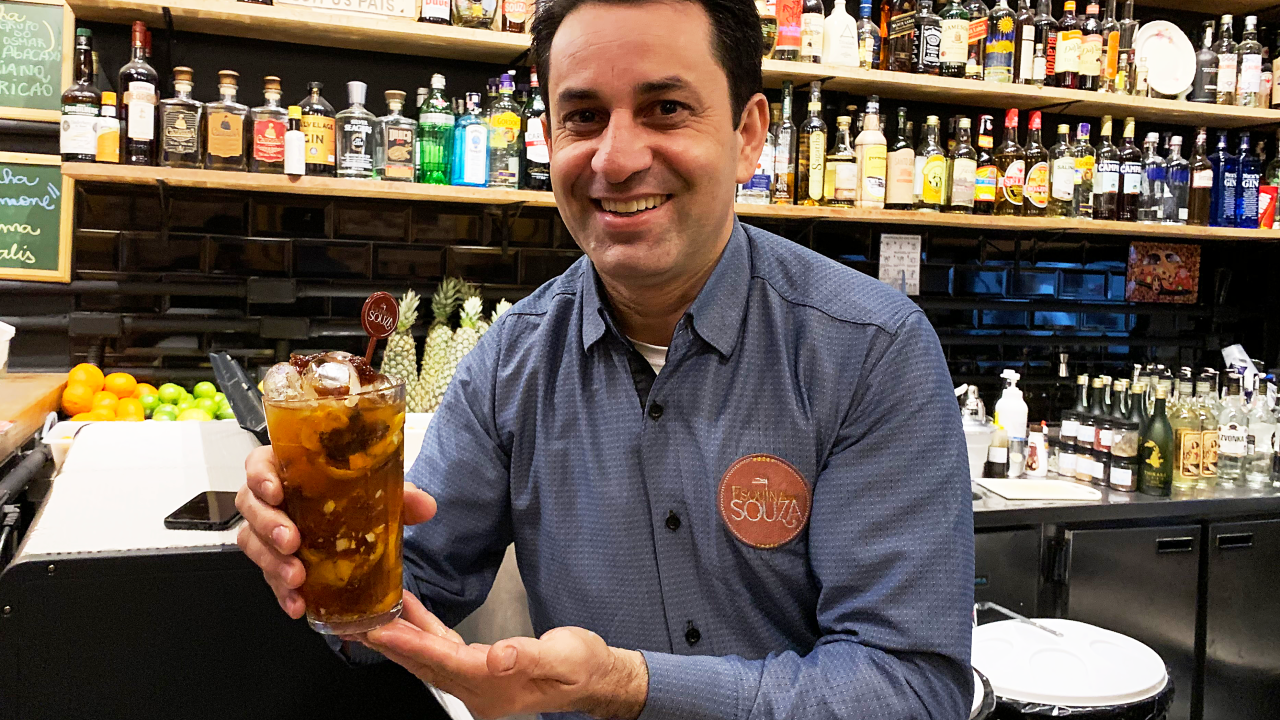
(623,150)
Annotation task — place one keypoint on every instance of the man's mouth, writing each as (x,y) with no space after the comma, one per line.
(631,207)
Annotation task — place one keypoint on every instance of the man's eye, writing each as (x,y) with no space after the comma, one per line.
(581,116)
(668,107)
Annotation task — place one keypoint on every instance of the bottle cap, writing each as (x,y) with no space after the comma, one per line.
(271,84)
(182,75)
(108,97)
(1011,118)
(1034,123)
(228,78)
(316,86)
(84,32)
(437,81)
(1082,130)
(506,84)
(395,97)
(356,92)
(295,112)
(1069,6)
(1064,129)
(844,120)
(964,123)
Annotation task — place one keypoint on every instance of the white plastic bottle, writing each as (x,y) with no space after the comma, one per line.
(295,144)
(1011,414)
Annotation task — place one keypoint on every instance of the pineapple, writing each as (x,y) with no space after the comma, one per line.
(464,339)
(401,356)
(484,325)
(447,296)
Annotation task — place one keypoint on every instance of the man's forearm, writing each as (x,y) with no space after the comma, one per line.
(621,692)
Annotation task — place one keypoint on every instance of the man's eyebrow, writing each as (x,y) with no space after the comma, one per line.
(572,94)
(666,84)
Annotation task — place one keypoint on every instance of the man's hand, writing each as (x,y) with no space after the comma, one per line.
(568,669)
(269,538)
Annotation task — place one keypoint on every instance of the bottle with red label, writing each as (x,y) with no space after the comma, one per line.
(515,15)
(270,123)
(1011,165)
(1035,195)
(787,46)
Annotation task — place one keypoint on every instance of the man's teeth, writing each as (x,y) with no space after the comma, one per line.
(631,206)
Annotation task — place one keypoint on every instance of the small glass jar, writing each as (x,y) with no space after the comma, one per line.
(1100,472)
(1124,474)
(1124,439)
(1053,454)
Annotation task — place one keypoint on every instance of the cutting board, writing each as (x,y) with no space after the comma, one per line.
(25,399)
(1021,489)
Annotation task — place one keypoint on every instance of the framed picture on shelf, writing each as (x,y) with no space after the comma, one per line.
(1163,273)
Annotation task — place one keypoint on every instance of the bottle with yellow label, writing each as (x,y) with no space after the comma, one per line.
(931,169)
(1035,194)
(840,182)
(810,175)
(225,139)
(107,130)
(873,153)
(318,124)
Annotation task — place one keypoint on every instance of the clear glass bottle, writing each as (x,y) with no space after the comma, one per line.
(1249,60)
(768,12)
(504,137)
(784,153)
(1035,194)
(226,142)
(355,135)
(931,169)
(1185,422)
(900,175)
(1228,64)
(393,141)
(1151,202)
(1178,181)
(964,170)
(1002,43)
(474,13)
(813,18)
(318,125)
(872,151)
(1204,86)
(1011,162)
(868,48)
(810,176)
(1062,186)
(270,123)
(840,181)
(1233,434)
(1085,159)
(1110,49)
(181,124)
(470,161)
(1260,441)
(435,135)
(138,100)
(81,106)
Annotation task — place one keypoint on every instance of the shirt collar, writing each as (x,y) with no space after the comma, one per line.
(717,312)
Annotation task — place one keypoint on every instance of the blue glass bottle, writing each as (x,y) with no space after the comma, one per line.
(470,147)
(1247,185)
(1226,170)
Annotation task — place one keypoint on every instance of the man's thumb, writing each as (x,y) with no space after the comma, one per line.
(419,506)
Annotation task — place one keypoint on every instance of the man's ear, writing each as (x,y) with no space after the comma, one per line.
(753,127)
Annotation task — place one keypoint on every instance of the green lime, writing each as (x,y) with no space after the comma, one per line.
(166,407)
(164,415)
(185,405)
(224,405)
(226,415)
(208,405)
(204,389)
(170,393)
(220,398)
(194,414)
(149,403)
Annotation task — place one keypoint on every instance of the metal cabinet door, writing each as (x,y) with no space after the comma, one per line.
(1007,570)
(1242,623)
(1141,582)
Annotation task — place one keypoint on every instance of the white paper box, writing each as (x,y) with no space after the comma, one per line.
(380,8)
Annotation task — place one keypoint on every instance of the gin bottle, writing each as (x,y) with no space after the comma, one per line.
(504,137)
(1233,432)
(435,135)
(318,125)
(1250,179)
(1226,176)
(470,162)
(226,140)
(181,118)
(355,135)
(1178,176)
(1151,201)
(393,141)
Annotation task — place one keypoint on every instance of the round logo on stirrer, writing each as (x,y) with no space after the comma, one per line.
(379,318)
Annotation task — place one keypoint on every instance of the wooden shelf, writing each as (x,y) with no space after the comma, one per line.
(1219,7)
(374,190)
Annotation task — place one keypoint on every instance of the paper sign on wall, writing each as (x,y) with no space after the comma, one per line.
(395,8)
(900,262)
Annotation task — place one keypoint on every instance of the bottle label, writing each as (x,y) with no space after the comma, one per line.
(535,145)
(268,140)
(984,185)
(955,41)
(811,35)
(226,135)
(1064,179)
(999,61)
(1202,178)
(1037,188)
(1248,203)
(357,153)
(506,129)
(1121,477)
(1051,54)
(902,24)
(320,142)
(1084,170)
(1069,428)
(141,100)
(963,180)
(846,181)
(1084,434)
(930,46)
(1111,54)
(872,168)
(438,119)
(398,153)
(1209,453)
(900,177)
(817,155)
(1012,181)
(1091,55)
(1227,73)
(1250,74)
(762,180)
(1231,439)
(977,29)
(782,161)
(868,55)
(1132,174)
(108,132)
(295,153)
(1027,60)
(1068,59)
(1097,470)
(515,11)
(1067,463)
(435,10)
(475,155)
(1107,179)
(181,128)
(934,177)
(788,24)
(997,455)
(78,134)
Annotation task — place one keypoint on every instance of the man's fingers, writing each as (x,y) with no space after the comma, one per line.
(267,521)
(444,656)
(262,472)
(419,506)
(283,573)
(416,613)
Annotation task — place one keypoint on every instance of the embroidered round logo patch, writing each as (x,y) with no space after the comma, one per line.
(764,501)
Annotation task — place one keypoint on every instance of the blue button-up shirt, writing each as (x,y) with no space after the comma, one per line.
(549,438)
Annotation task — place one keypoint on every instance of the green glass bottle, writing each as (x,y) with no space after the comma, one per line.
(1156,450)
(435,135)
(955,39)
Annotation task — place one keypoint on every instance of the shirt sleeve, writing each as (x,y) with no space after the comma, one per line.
(891,545)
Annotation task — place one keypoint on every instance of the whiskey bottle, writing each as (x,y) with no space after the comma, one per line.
(435,135)
(812,19)
(987,176)
(810,175)
(1062,187)
(319,125)
(1011,167)
(107,130)
(182,124)
(964,170)
(931,168)
(954,52)
(1106,179)
(1228,64)
(1130,175)
(872,152)
(393,141)
(1198,197)
(900,173)
(927,54)
(1070,39)
(270,123)
(902,36)
(81,105)
(976,54)
(505,145)
(1047,35)
(355,135)
(1091,49)
(470,157)
(840,181)
(1110,49)
(784,153)
(138,81)
(1035,195)
(1178,179)
(1249,54)
(226,141)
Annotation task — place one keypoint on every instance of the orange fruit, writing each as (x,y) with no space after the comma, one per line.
(105,400)
(77,399)
(82,416)
(144,389)
(130,409)
(100,415)
(86,374)
(120,384)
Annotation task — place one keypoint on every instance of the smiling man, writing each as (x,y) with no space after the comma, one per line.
(733,470)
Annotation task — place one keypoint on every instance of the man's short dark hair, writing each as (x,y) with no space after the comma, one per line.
(735,35)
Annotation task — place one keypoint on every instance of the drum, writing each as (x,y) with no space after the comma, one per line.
(1088,673)
(984,701)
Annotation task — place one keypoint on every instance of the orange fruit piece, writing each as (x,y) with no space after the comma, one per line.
(77,399)
(120,384)
(86,374)
(130,409)
(100,415)
(144,389)
(105,400)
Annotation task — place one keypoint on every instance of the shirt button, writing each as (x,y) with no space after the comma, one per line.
(673,521)
(691,635)
(655,412)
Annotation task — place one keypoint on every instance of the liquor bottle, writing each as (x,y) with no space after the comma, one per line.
(319,126)
(787,44)
(470,156)
(1090,49)
(226,143)
(976,53)
(1178,174)
(1249,60)
(107,130)
(515,15)
(840,36)
(1250,178)
(182,125)
(901,42)
(436,11)
(1233,432)
(138,101)
(1199,202)
(1035,195)
(768,11)
(1130,159)
(469,13)
(1204,85)
(1228,64)
(295,144)
(1157,451)
(81,106)
(505,146)
(435,135)
(1151,202)
(1106,178)
(1024,42)
(840,170)
(964,170)
(1047,35)
(1270,175)
(1087,432)
(1001,43)
(871,150)
(987,176)
(393,141)
(537,157)
(931,168)
(1226,175)
(868,39)
(810,176)
(1070,39)
(1062,186)
(270,123)
(812,18)
(1070,427)
(1110,49)
(1086,158)
(355,135)
(1207,408)
(1128,29)
(1011,168)
(1268,77)
(899,191)
(784,153)
(1260,438)
(955,39)
(927,54)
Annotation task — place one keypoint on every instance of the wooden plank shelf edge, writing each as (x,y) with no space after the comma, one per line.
(375,190)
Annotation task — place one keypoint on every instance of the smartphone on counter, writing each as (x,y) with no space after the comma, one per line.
(210,510)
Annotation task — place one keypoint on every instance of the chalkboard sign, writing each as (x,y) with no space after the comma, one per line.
(35,218)
(36,40)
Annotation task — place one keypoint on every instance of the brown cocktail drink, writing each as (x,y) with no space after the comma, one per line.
(337,428)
